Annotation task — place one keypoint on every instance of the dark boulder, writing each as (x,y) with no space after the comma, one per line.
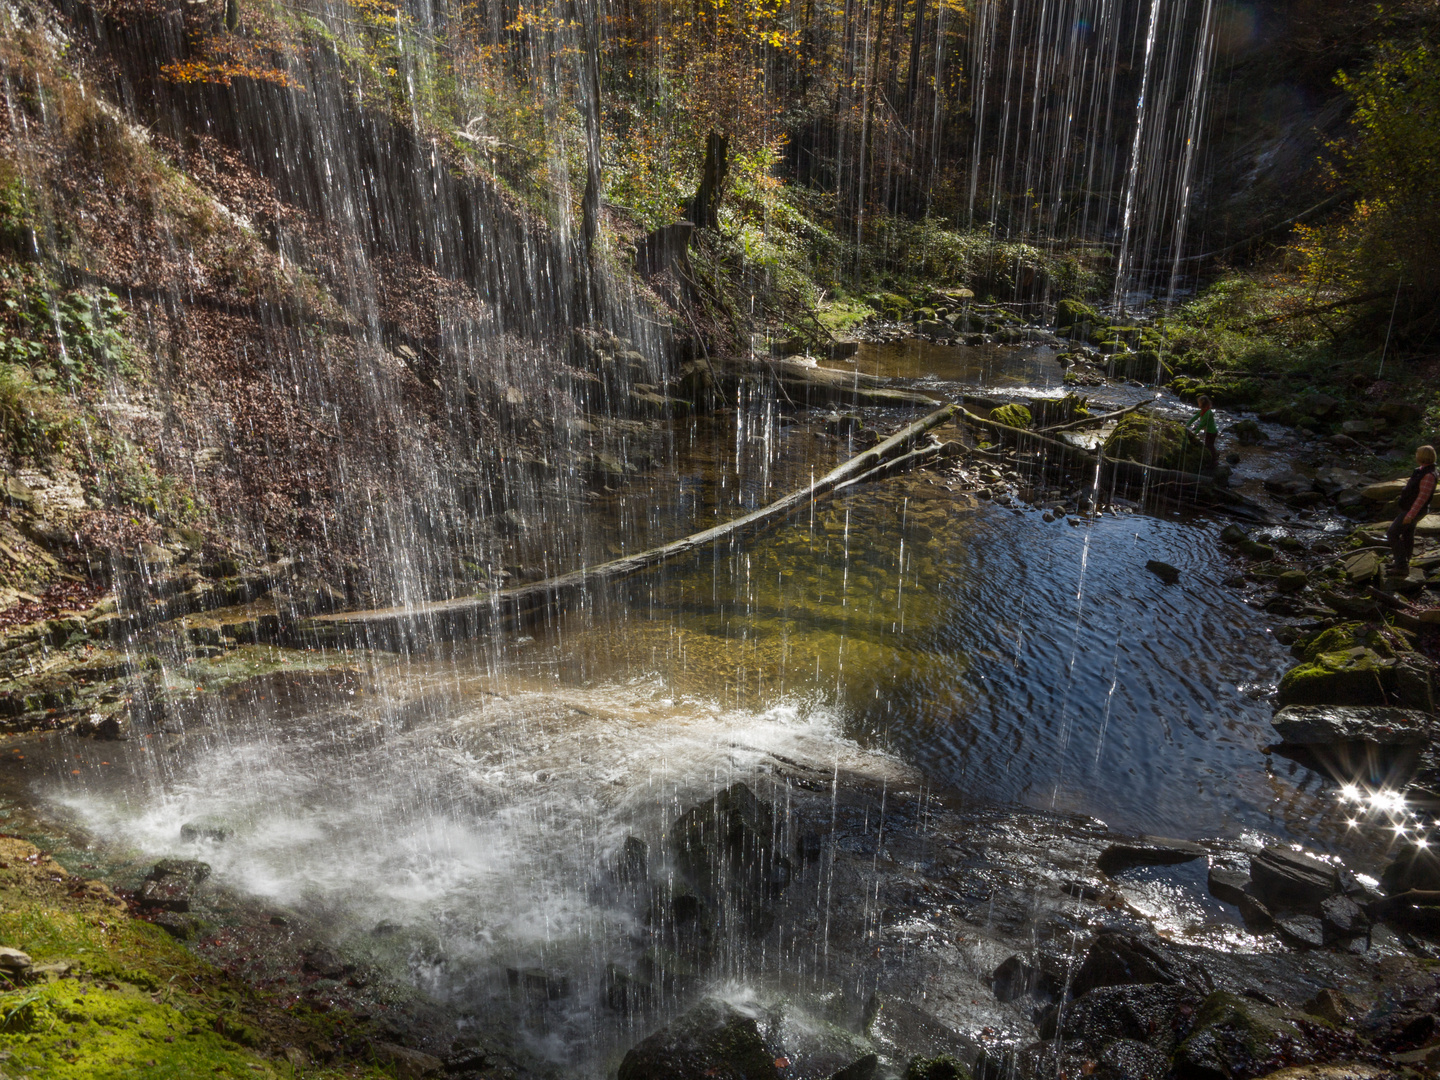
(943,1067)
(1117,959)
(1300,931)
(1327,725)
(728,844)
(1287,879)
(1154,1014)
(1163,570)
(713,1041)
(1147,851)
(1343,917)
(172,883)
(1416,868)
(1235,1037)
(1015,979)
(864,1068)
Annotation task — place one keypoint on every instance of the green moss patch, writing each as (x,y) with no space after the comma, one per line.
(1153,441)
(1015,416)
(110,995)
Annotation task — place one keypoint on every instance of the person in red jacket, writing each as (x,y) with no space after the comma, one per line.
(1413,501)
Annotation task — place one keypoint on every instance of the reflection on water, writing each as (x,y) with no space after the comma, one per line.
(1009,658)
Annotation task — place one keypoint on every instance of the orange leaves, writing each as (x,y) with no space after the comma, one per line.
(222,72)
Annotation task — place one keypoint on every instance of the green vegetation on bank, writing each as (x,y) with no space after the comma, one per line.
(111,996)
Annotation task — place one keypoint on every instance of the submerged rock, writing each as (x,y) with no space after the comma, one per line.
(713,1040)
(1164,571)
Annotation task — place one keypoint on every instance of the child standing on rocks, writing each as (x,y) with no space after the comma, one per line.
(1413,501)
(1204,423)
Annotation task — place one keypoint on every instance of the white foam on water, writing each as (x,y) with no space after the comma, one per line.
(486,822)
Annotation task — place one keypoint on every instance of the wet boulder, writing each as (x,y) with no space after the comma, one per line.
(1157,1015)
(1292,581)
(1154,441)
(1343,918)
(1237,1037)
(172,884)
(713,1040)
(1117,959)
(1329,725)
(1248,433)
(1014,979)
(728,844)
(1130,1059)
(1227,884)
(1292,880)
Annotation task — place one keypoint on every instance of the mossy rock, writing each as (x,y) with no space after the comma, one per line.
(1045,412)
(1015,416)
(1070,312)
(943,1067)
(1346,636)
(1234,1036)
(1155,441)
(891,305)
(1354,676)
(1144,365)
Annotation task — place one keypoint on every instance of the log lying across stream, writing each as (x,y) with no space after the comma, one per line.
(407,627)
(1161,483)
(805,384)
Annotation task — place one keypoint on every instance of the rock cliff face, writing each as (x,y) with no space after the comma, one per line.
(1275,106)
(261,316)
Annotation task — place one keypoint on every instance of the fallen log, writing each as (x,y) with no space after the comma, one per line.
(409,627)
(1086,421)
(904,463)
(1123,467)
(809,384)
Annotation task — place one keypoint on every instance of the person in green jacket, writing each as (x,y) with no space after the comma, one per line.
(1203,423)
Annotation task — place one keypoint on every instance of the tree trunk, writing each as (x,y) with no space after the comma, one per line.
(701,209)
